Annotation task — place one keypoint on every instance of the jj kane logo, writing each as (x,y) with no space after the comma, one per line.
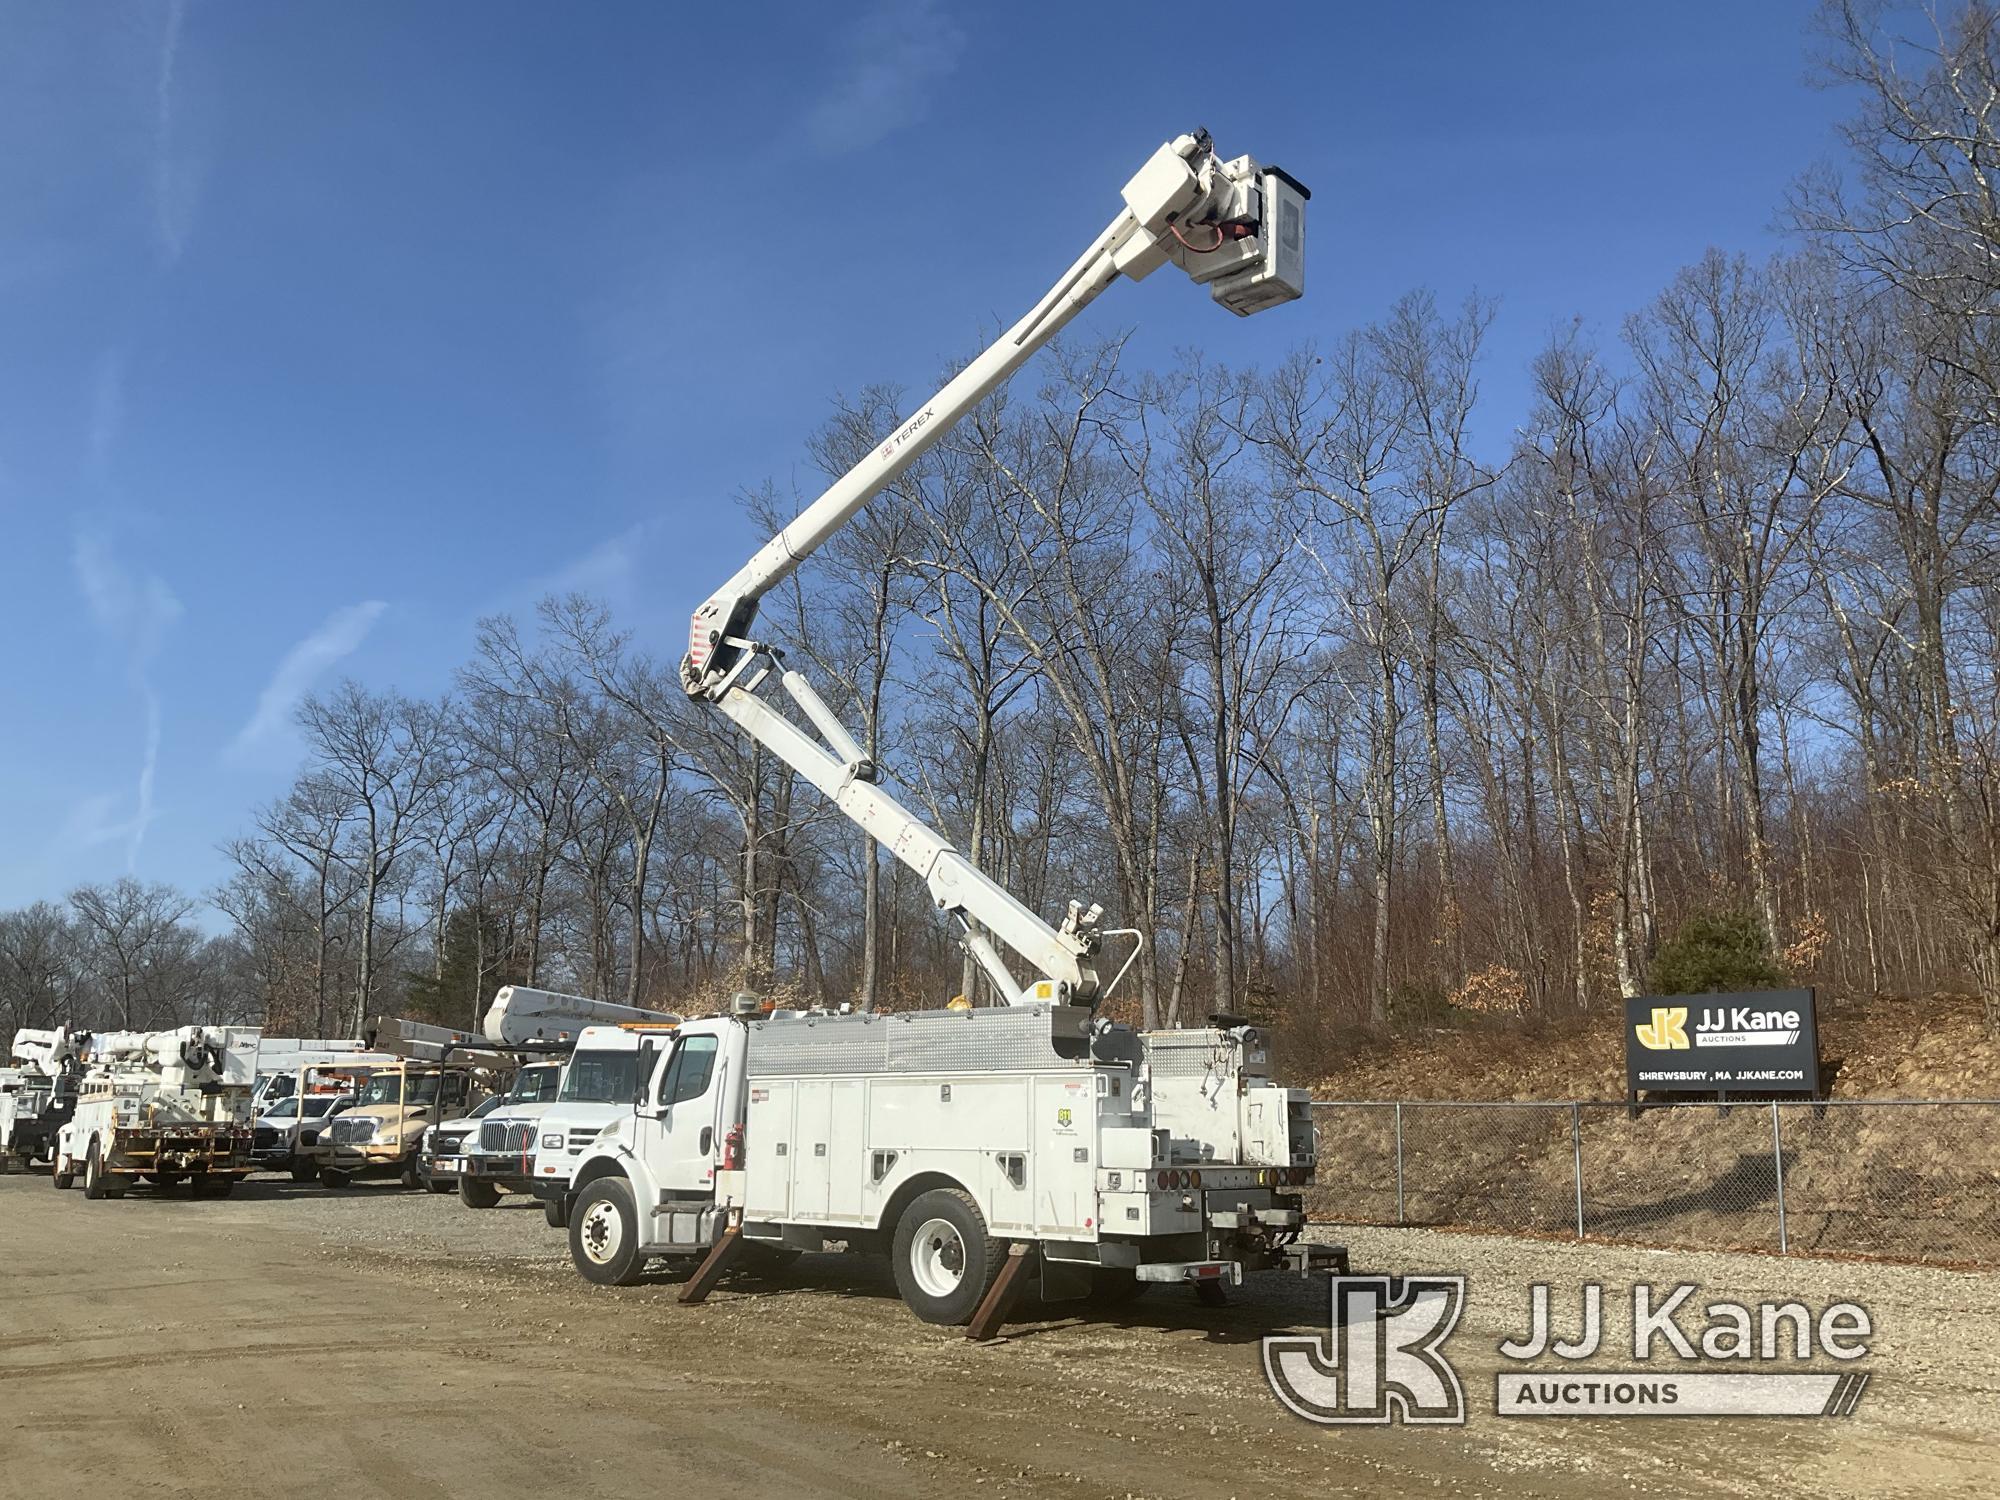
(1383,1358)
(1718,1026)
(1667,1031)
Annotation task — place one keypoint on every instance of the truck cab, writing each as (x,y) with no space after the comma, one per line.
(383,1130)
(34,1106)
(597,1089)
(499,1155)
(942,1136)
(275,1131)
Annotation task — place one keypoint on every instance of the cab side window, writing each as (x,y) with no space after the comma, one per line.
(686,1076)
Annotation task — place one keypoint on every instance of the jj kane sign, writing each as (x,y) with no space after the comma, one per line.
(1761,1043)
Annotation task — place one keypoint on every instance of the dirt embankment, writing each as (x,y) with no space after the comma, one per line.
(1933,1047)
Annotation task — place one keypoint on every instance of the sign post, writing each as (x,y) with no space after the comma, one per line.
(1760,1042)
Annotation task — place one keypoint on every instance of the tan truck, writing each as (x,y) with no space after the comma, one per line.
(382,1133)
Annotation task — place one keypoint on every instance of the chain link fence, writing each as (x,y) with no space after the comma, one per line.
(1911,1180)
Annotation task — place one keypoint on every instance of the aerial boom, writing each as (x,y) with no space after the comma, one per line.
(1234,226)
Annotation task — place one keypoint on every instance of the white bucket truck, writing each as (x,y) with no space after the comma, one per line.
(163,1106)
(941,1136)
(946,1135)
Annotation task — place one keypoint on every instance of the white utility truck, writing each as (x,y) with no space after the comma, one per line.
(163,1106)
(598,1088)
(38,1093)
(500,1155)
(946,1135)
(943,1135)
(282,1060)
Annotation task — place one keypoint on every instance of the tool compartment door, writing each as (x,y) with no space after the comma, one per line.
(767,1150)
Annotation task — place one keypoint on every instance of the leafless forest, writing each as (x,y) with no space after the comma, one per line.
(1361,717)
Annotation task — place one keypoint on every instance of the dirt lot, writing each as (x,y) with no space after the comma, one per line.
(380,1343)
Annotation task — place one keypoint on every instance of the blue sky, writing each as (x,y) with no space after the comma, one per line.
(326,330)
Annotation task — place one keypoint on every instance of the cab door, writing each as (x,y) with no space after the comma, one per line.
(681,1131)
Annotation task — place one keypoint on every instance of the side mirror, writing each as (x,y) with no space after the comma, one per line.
(642,1079)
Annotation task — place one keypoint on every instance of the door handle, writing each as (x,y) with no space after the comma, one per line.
(707,1138)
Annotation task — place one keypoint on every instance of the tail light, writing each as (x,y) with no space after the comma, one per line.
(732,1149)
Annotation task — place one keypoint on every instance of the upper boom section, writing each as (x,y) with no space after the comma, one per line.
(1234,226)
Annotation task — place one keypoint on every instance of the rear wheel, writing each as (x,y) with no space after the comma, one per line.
(474,1193)
(97,1182)
(213,1187)
(604,1233)
(944,1259)
(303,1170)
(438,1184)
(330,1178)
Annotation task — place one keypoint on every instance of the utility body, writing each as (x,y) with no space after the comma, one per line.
(163,1106)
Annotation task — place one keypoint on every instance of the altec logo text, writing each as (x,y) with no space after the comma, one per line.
(1726,1026)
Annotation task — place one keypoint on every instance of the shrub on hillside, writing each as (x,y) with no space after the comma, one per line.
(1716,951)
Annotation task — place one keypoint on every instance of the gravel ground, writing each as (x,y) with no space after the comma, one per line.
(408,1347)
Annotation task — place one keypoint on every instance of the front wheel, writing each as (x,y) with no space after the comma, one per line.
(604,1233)
(330,1178)
(556,1212)
(64,1174)
(476,1194)
(303,1170)
(944,1259)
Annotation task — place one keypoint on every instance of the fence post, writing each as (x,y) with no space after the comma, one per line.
(1576,1157)
(1399,1162)
(1778,1163)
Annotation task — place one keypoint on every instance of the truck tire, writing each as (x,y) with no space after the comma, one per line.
(63,1175)
(304,1170)
(437,1184)
(97,1181)
(556,1212)
(330,1178)
(213,1187)
(604,1233)
(474,1193)
(944,1259)
(410,1177)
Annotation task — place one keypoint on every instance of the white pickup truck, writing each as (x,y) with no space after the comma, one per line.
(942,1136)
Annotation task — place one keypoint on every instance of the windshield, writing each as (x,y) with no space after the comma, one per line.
(314,1107)
(282,1111)
(388,1088)
(487,1106)
(602,1077)
(535,1086)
